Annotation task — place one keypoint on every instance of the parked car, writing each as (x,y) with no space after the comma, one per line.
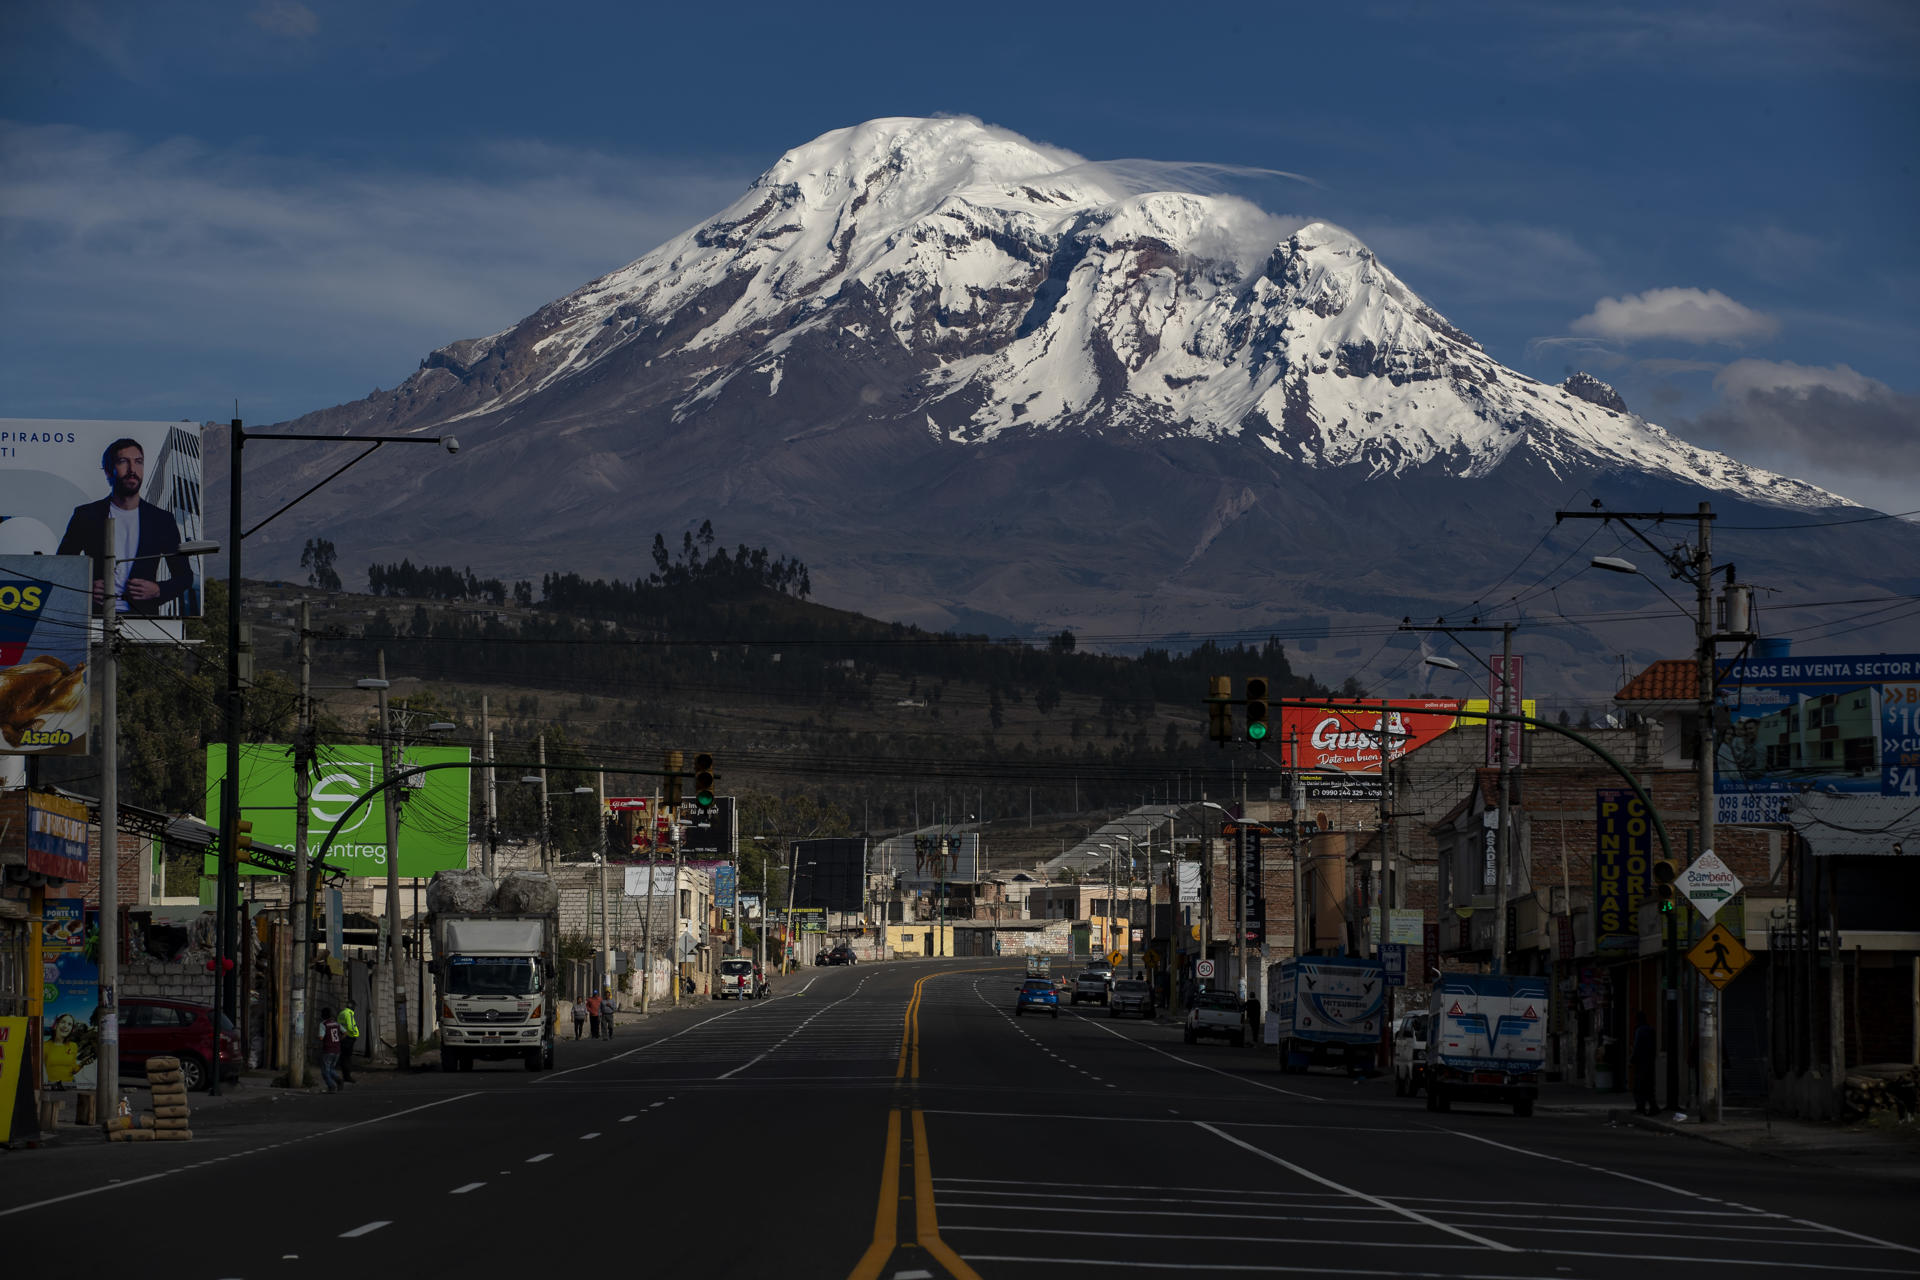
(1216,1013)
(175,1028)
(1092,985)
(1131,995)
(820,956)
(1039,995)
(1409,1055)
(842,954)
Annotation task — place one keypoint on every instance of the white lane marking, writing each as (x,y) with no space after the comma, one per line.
(657,1104)
(1262,1268)
(639,1048)
(588,1137)
(471,1186)
(1231,1075)
(1311,1176)
(1693,1195)
(624,1119)
(544,1155)
(366,1228)
(200,1164)
(802,991)
(743,1066)
(1345,1241)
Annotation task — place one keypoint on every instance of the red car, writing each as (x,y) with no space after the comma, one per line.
(175,1028)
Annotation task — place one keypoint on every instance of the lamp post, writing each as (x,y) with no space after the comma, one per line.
(1504,683)
(793,876)
(401,1047)
(228,883)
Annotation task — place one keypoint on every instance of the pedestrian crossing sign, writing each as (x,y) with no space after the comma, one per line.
(1719,956)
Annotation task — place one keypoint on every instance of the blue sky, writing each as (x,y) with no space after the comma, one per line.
(289,202)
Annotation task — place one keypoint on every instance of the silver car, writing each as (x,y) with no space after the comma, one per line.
(1131,995)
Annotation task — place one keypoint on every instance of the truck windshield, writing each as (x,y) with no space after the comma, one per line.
(492,976)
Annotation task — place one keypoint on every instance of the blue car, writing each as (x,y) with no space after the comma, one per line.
(1038,993)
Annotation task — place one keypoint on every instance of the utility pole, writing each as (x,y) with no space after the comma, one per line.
(546,841)
(488,798)
(1699,567)
(646,915)
(1240,938)
(1503,833)
(302,908)
(606,943)
(391,802)
(107,1074)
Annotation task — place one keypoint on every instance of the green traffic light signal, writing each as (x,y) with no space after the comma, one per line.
(1257,708)
(703,780)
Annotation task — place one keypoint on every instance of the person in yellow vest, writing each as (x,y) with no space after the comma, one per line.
(349,1032)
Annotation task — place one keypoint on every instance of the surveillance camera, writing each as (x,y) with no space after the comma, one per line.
(450,444)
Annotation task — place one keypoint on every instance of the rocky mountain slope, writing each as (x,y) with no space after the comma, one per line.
(976,381)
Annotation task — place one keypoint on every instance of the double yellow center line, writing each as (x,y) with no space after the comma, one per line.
(907,1146)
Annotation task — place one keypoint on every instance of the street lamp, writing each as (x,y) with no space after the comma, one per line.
(228,886)
(793,877)
(107,1078)
(379,686)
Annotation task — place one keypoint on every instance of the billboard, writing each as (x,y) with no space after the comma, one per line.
(1327,740)
(67,482)
(70,993)
(1621,859)
(44,608)
(829,873)
(925,859)
(57,836)
(709,833)
(1837,726)
(433,817)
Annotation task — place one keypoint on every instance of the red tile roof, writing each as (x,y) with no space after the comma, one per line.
(1668,680)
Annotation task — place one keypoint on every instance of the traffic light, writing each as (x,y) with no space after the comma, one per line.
(703,780)
(1257,709)
(674,763)
(1220,708)
(1664,892)
(242,842)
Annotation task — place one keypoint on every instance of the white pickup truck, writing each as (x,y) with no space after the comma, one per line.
(1216,1013)
(1092,985)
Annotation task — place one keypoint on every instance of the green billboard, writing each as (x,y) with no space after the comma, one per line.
(433,814)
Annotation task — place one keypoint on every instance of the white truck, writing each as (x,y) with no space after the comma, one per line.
(494,963)
(1486,1041)
(1327,1010)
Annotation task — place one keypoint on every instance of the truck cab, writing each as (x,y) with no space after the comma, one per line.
(1486,1041)
(735,980)
(493,975)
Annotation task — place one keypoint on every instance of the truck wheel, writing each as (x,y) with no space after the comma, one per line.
(1189,1037)
(1437,1099)
(533,1059)
(1239,1039)
(1523,1108)
(449,1059)
(1399,1086)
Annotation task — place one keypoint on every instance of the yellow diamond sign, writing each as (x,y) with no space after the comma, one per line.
(1719,956)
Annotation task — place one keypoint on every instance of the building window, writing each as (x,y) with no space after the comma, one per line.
(1826,749)
(686,902)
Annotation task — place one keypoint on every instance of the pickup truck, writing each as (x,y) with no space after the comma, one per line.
(1486,1041)
(1216,1013)
(1091,985)
(1130,995)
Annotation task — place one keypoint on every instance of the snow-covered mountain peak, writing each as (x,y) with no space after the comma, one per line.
(1008,288)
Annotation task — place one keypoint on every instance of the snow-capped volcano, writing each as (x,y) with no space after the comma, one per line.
(1035,293)
(976,381)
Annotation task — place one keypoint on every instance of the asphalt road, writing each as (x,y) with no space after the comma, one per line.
(898,1121)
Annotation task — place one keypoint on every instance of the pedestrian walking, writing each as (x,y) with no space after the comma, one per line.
(349,1038)
(579,1018)
(593,1015)
(1253,1019)
(329,1050)
(1640,1059)
(607,1006)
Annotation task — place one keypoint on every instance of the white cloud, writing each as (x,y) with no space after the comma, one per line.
(1686,315)
(1745,378)
(160,273)
(285,18)
(1503,260)
(1838,428)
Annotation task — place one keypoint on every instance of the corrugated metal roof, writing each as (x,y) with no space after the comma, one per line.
(1842,825)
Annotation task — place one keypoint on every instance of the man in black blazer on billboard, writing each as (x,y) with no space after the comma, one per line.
(143,533)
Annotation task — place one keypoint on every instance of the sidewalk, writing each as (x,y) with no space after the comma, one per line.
(1873,1147)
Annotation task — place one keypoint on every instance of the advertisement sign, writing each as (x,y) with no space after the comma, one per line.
(65,481)
(70,993)
(1622,853)
(57,836)
(44,608)
(829,873)
(433,816)
(1393,956)
(1349,741)
(1503,736)
(930,859)
(723,886)
(750,906)
(1709,884)
(810,919)
(709,833)
(1406,926)
(1335,786)
(1189,877)
(1838,726)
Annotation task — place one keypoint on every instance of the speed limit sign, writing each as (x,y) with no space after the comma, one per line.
(1204,968)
